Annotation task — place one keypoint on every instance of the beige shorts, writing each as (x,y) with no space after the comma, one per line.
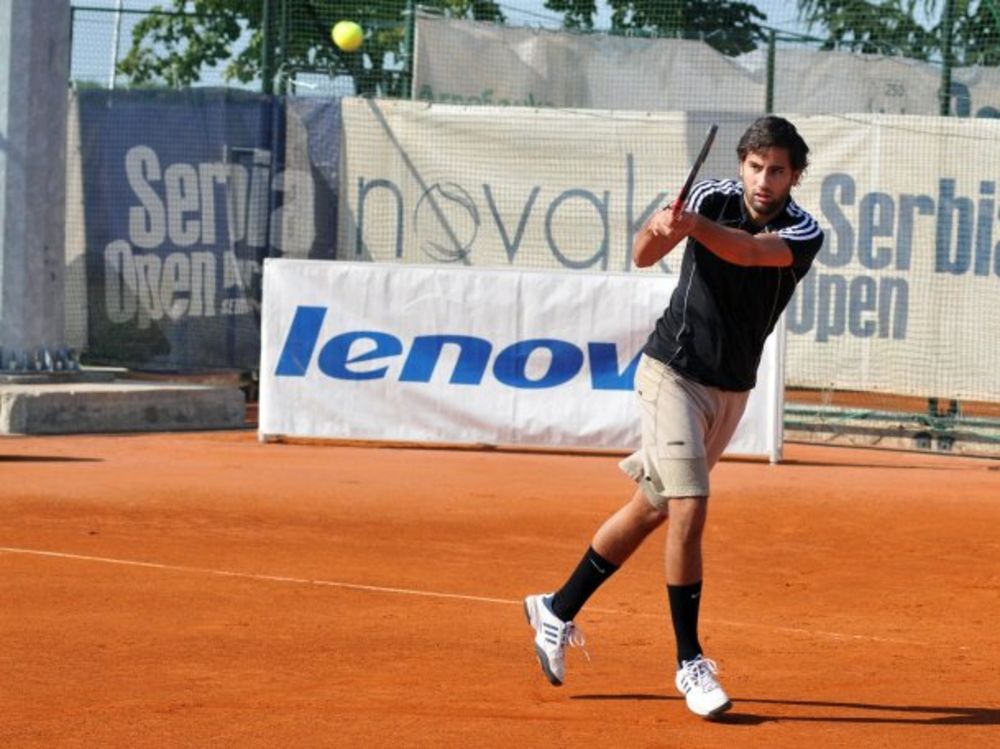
(685,428)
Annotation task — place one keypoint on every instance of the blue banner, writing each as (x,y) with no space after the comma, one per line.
(178,203)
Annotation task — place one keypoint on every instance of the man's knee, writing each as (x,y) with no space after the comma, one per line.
(651,516)
(687,518)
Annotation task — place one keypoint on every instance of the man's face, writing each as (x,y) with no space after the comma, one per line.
(768,179)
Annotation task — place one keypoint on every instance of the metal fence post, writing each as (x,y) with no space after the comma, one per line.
(267,52)
(408,49)
(282,55)
(769,103)
(115,39)
(947,30)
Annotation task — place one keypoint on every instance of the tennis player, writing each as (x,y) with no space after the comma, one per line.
(748,245)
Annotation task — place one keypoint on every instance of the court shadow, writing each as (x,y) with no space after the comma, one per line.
(47,459)
(879,466)
(911,714)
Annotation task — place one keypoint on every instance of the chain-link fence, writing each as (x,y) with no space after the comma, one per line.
(286,45)
(574,122)
(890,57)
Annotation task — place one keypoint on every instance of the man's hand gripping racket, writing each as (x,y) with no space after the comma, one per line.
(682,196)
(667,228)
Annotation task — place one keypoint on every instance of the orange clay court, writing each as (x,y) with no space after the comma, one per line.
(205,590)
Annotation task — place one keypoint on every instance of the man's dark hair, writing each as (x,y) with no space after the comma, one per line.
(775,132)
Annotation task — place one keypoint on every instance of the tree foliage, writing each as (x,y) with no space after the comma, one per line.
(730,26)
(977,33)
(174,45)
(892,27)
(887,27)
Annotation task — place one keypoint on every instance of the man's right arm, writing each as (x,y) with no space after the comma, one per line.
(664,231)
(669,227)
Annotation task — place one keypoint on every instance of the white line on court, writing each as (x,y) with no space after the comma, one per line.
(424,593)
(253,575)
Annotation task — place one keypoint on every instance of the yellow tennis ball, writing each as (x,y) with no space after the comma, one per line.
(348,36)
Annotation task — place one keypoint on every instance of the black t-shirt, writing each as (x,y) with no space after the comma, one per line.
(720,314)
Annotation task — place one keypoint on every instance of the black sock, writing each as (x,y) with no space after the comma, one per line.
(588,576)
(684,600)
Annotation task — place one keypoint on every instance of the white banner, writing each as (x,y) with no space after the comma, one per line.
(903,296)
(468,62)
(528,188)
(900,299)
(465,62)
(808,81)
(448,355)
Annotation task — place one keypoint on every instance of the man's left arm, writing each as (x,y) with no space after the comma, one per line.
(740,248)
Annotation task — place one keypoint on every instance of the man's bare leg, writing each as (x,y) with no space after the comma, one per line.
(623,533)
(683,555)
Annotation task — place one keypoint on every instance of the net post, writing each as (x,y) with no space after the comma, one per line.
(776,415)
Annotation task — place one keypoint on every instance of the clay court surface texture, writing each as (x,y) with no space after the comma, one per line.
(205,590)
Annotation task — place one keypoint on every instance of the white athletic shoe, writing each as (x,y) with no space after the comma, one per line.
(552,635)
(696,681)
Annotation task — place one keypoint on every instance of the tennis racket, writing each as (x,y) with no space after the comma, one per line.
(693,174)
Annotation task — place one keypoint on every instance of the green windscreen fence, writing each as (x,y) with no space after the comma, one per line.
(542,135)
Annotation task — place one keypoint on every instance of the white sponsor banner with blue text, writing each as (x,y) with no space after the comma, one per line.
(518,187)
(899,300)
(371,351)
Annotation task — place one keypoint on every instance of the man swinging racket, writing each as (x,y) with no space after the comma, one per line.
(748,245)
